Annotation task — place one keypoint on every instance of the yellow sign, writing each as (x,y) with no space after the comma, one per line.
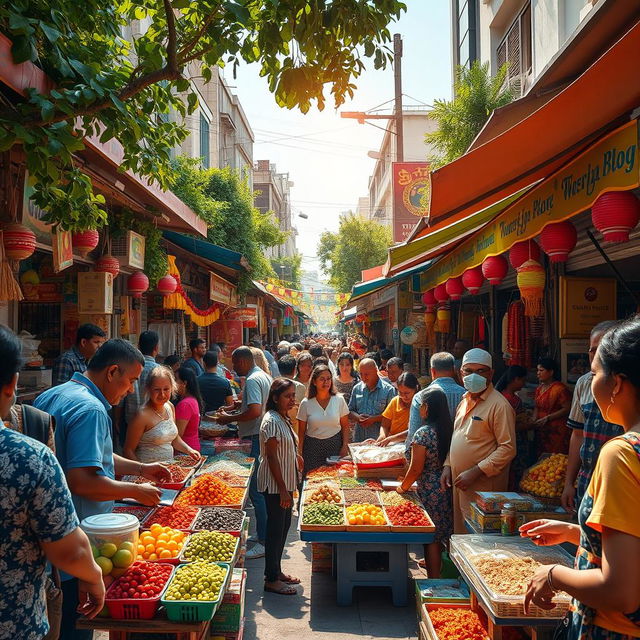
(609,165)
(585,302)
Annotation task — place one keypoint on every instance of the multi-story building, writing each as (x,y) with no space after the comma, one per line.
(273,194)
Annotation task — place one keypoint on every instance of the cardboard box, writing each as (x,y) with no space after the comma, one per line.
(95,292)
(493,501)
(228,618)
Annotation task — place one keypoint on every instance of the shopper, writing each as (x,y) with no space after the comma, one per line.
(89,338)
(273,371)
(553,403)
(287,366)
(278,469)
(317,351)
(395,418)
(198,348)
(385,355)
(323,421)
(589,430)
(174,362)
(394,369)
(260,360)
(347,376)
(428,452)
(215,389)
(189,408)
(606,581)
(304,366)
(483,441)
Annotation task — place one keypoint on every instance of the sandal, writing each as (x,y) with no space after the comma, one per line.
(289,579)
(284,591)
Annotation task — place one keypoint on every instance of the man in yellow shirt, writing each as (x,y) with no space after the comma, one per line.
(483,441)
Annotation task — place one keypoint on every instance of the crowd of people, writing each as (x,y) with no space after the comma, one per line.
(117,411)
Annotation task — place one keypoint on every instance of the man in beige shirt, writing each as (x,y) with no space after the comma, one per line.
(483,441)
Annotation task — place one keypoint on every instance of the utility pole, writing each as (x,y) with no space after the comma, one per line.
(397,76)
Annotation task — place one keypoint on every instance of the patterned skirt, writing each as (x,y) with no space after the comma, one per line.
(315,451)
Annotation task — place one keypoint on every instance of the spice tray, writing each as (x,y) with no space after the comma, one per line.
(196,610)
(465,547)
(185,461)
(235,532)
(148,521)
(430,632)
(321,527)
(231,563)
(404,529)
(178,485)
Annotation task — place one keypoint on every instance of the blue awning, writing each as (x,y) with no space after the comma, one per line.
(364,288)
(208,250)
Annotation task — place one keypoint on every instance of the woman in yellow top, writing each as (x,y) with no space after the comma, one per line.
(395,418)
(606,581)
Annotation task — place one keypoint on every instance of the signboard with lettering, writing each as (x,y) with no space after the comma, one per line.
(585,302)
(221,291)
(247,315)
(411,195)
(611,164)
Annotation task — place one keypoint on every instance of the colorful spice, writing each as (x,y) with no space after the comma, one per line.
(457,624)
(408,514)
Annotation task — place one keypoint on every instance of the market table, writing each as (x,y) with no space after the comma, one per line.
(119,629)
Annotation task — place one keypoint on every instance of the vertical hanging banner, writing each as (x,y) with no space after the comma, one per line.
(411,196)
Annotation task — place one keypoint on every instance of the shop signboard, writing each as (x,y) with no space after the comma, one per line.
(382,297)
(574,359)
(611,164)
(230,333)
(248,316)
(95,292)
(221,291)
(584,303)
(411,190)
(405,300)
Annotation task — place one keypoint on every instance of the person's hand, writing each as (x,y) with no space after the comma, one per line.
(539,592)
(568,498)
(156,471)
(467,478)
(193,454)
(224,418)
(300,462)
(445,479)
(146,494)
(285,499)
(399,489)
(541,422)
(344,451)
(90,597)
(383,442)
(361,417)
(367,421)
(545,533)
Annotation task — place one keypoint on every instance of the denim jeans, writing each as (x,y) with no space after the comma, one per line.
(278,523)
(257,499)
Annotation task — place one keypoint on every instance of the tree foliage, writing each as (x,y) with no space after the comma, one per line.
(292,269)
(476,96)
(358,244)
(113,85)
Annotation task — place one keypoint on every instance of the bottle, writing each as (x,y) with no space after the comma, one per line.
(508,520)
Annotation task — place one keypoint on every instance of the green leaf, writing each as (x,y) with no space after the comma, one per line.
(51,33)
(192,100)
(23,50)
(241,13)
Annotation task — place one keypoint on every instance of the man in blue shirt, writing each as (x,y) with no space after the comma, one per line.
(369,399)
(215,389)
(442,375)
(198,348)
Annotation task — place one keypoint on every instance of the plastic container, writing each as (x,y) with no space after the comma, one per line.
(114,541)
(508,521)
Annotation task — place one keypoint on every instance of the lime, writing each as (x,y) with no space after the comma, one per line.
(122,558)
(105,564)
(95,551)
(108,549)
(127,545)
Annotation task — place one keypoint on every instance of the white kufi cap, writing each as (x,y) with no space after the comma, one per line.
(478,356)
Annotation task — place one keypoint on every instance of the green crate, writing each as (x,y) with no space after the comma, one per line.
(195,610)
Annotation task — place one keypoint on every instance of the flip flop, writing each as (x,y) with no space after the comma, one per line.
(289,579)
(285,591)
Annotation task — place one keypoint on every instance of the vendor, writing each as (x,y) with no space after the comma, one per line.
(89,338)
(606,582)
(395,418)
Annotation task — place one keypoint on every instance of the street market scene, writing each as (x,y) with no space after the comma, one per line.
(320,318)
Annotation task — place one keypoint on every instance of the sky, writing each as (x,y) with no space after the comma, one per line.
(326,156)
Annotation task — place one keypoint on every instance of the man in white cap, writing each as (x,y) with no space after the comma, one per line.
(483,441)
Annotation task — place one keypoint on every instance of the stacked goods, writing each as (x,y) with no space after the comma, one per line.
(324,493)
(210,546)
(197,581)
(408,515)
(546,477)
(490,522)
(323,514)
(160,543)
(493,501)
(219,519)
(144,580)
(139,512)
(362,496)
(211,491)
(457,624)
(176,517)
(365,514)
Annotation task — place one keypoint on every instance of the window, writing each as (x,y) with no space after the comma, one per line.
(204,141)
(515,51)
(465,29)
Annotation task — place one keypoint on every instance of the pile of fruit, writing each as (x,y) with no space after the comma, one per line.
(365,514)
(219,519)
(457,624)
(176,517)
(363,496)
(113,559)
(197,581)
(323,514)
(232,479)
(324,493)
(143,580)
(546,478)
(139,512)
(209,490)
(210,546)
(160,543)
(408,514)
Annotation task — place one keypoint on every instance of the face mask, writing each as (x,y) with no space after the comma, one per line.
(474,383)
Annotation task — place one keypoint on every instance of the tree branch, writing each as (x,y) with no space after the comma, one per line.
(197,54)
(172,39)
(188,48)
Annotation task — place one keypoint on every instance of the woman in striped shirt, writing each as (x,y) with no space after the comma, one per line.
(278,470)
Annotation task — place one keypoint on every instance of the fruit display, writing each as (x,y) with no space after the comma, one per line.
(219,519)
(324,493)
(113,559)
(325,472)
(546,477)
(210,546)
(323,514)
(211,491)
(352,496)
(457,624)
(408,514)
(365,514)
(139,512)
(176,517)
(142,581)
(160,543)
(197,581)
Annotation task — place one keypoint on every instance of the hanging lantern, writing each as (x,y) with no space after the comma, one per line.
(137,284)
(473,279)
(531,280)
(444,320)
(615,214)
(454,288)
(558,240)
(429,300)
(83,242)
(523,251)
(167,285)
(108,264)
(494,269)
(440,293)
(19,241)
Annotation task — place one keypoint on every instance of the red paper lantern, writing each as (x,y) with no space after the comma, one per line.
(440,293)
(137,284)
(167,285)
(558,240)
(19,241)
(429,300)
(108,264)
(454,288)
(84,242)
(615,214)
(473,279)
(523,251)
(494,269)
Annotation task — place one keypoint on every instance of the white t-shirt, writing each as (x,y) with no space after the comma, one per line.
(323,423)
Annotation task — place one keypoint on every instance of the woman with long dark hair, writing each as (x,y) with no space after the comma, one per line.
(278,470)
(189,407)
(347,376)
(304,367)
(395,418)
(429,450)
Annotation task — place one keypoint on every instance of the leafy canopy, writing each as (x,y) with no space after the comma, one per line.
(113,84)
(358,244)
(292,271)
(477,95)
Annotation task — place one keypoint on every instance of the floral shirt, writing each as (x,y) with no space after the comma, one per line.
(35,506)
